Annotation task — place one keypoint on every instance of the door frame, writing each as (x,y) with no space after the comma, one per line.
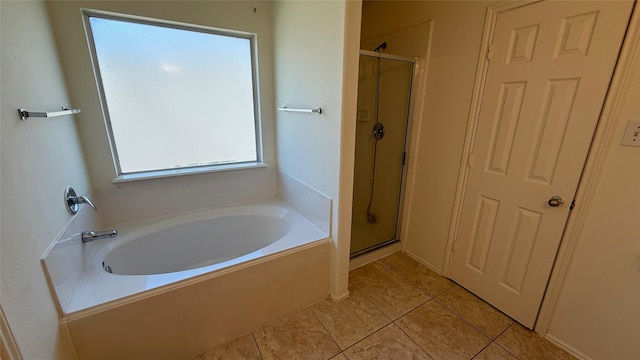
(602,138)
(7,339)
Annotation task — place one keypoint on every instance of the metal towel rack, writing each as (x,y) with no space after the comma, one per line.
(24,114)
(316,110)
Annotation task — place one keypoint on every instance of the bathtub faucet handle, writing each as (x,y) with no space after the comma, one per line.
(73,200)
(85,200)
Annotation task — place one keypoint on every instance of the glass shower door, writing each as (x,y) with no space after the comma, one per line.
(384,90)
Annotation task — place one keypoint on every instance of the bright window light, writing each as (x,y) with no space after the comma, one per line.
(174,96)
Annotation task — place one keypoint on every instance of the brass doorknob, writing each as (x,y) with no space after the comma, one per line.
(556,201)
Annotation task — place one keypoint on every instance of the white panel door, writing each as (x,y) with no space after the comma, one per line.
(547,78)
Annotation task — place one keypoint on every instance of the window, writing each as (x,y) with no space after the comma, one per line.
(176,98)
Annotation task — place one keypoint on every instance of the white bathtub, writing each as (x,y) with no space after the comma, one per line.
(175,251)
(200,240)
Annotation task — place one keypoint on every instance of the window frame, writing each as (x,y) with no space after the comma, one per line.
(186,170)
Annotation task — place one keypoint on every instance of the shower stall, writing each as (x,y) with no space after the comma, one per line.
(384,93)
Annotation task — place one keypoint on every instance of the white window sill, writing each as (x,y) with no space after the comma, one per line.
(147,175)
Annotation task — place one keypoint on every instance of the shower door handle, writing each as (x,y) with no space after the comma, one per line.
(378,131)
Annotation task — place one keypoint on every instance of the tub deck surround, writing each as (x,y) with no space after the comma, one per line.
(158,264)
(68,255)
(186,320)
(311,203)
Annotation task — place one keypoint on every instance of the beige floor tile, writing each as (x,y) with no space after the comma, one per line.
(242,348)
(297,336)
(423,277)
(475,311)
(367,271)
(339,357)
(389,343)
(395,259)
(494,352)
(350,320)
(442,334)
(528,345)
(393,294)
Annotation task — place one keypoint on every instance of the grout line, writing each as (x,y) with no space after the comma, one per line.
(409,310)
(415,307)
(376,306)
(418,287)
(507,328)
(470,324)
(361,340)
(508,352)
(410,338)
(482,301)
(476,297)
(364,338)
(325,329)
(386,268)
(481,350)
(465,321)
(328,332)
(255,341)
(504,348)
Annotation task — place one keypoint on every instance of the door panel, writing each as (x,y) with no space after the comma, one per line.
(546,81)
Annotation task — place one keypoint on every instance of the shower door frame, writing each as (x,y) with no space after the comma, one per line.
(404,171)
(390,57)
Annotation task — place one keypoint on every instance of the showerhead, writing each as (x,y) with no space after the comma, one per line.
(381,46)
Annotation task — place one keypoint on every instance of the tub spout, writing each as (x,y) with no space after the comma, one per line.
(92,235)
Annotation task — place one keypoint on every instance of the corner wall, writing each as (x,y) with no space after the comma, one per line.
(40,157)
(309,41)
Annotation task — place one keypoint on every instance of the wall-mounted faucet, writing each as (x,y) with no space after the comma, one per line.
(72,200)
(92,235)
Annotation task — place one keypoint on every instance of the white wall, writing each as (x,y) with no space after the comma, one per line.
(309,38)
(149,198)
(308,67)
(39,158)
(597,312)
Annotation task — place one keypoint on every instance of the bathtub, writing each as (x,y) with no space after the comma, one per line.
(215,274)
(159,252)
(203,239)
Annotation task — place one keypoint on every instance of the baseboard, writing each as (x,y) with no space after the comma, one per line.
(431,267)
(339,298)
(566,347)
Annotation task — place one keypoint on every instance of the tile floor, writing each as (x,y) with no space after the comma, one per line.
(397,309)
